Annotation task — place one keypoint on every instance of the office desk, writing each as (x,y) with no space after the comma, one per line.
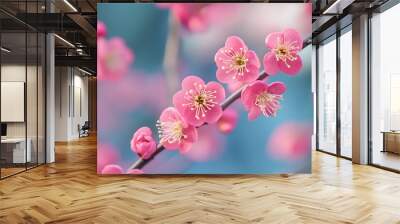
(15,148)
(391,141)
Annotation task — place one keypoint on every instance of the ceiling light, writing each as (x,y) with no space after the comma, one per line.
(5,50)
(70,5)
(338,6)
(65,41)
(329,9)
(84,71)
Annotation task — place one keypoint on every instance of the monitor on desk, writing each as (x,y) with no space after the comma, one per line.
(3,130)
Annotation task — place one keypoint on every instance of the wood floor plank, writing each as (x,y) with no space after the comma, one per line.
(70,191)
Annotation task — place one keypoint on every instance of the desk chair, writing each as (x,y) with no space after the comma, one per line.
(84,130)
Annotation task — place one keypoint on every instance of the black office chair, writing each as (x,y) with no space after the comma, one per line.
(84,130)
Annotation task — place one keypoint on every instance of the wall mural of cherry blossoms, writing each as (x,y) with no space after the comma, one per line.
(204,88)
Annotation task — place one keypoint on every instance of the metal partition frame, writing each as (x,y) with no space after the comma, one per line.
(339,32)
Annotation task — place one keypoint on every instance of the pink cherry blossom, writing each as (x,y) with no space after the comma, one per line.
(106,154)
(143,143)
(113,58)
(260,97)
(228,121)
(192,16)
(174,131)
(236,63)
(291,140)
(210,145)
(101,29)
(283,55)
(198,102)
(112,169)
(135,171)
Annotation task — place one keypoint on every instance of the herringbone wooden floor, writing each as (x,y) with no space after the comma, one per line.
(70,191)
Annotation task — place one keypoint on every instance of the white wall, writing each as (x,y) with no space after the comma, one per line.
(61,103)
(71,93)
(17,73)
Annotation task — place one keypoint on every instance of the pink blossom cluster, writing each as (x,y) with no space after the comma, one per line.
(113,56)
(199,103)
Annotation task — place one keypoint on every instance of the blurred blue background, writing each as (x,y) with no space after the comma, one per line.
(138,99)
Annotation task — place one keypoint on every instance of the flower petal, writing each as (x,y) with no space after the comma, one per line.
(273,39)
(291,36)
(250,92)
(250,75)
(277,88)
(178,100)
(135,171)
(185,147)
(170,114)
(292,68)
(191,134)
(225,76)
(236,43)
(253,58)
(214,114)
(222,76)
(271,66)
(101,29)
(220,58)
(219,91)
(228,121)
(171,146)
(190,117)
(143,131)
(253,113)
(189,82)
(112,169)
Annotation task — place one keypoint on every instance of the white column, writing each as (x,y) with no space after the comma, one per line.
(50,99)
(314,91)
(50,92)
(360,90)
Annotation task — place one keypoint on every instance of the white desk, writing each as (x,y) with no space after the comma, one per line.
(18,154)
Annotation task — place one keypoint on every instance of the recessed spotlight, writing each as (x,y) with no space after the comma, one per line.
(84,71)
(5,50)
(70,5)
(64,40)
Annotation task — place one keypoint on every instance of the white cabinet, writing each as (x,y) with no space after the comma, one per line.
(17,145)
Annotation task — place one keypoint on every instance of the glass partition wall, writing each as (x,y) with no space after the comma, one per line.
(385,90)
(345,93)
(334,94)
(22,77)
(327,96)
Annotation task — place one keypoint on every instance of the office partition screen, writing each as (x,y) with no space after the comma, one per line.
(345,93)
(327,74)
(22,77)
(385,90)
(210,88)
